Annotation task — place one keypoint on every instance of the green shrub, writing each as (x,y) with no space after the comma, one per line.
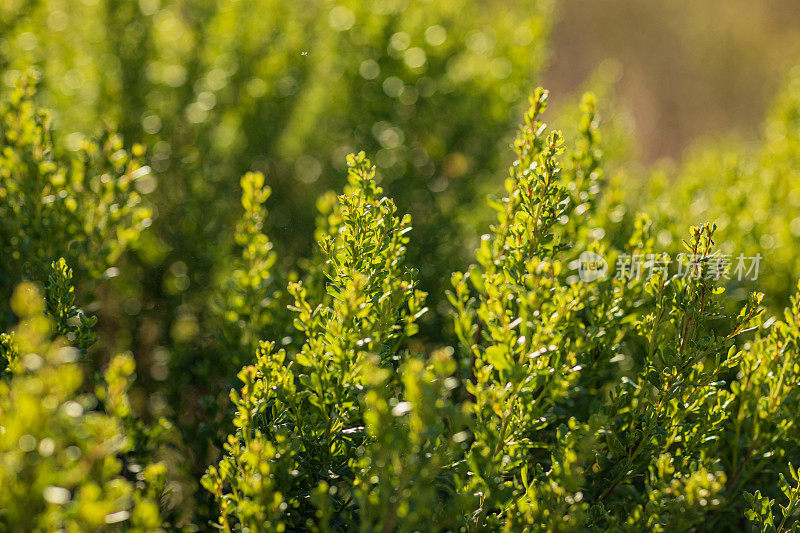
(617,404)
(298,419)
(219,89)
(525,398)
(60,449)
(249,305)
(83,206)
(286,88)
(72,458)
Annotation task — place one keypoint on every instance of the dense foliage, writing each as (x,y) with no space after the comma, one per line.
(615,404)
(288,89)
(577,353)
(83,205)
(67,454)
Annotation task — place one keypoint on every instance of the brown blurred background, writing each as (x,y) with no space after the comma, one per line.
(688,67)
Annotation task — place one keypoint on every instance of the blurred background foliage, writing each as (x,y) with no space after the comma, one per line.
(688,69)
(432,90)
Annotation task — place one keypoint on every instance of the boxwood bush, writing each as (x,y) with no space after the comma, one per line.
(618,404)
(575,352)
